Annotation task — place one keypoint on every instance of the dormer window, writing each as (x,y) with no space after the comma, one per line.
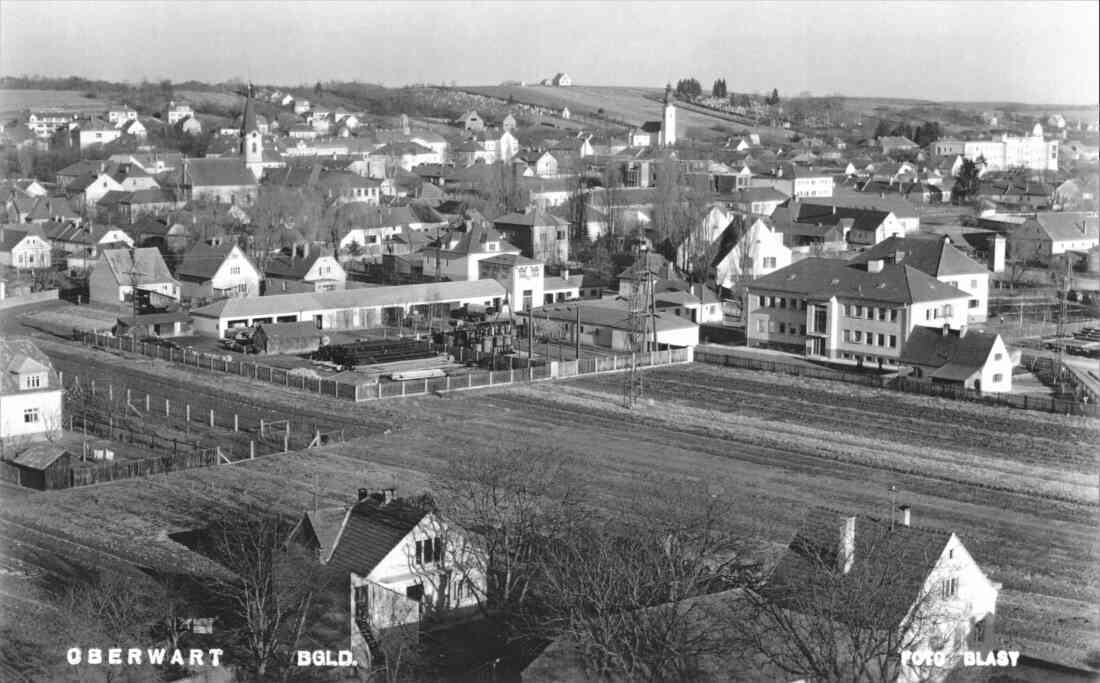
(32,381)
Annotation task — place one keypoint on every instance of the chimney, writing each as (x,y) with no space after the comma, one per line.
(905,510)
(846,548)
(388,495)
(899,256)
(363,494)
(565,273)
(946,330)
(874,265)
(962,331)
(834,209)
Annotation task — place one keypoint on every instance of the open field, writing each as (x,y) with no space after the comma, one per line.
(1019,488)
(13,102)
(622,103)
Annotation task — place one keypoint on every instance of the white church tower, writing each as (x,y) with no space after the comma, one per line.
(668,122)
(252,142)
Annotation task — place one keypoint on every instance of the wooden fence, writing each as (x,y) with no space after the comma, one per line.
(83,474)
(366,391)
(1026,402)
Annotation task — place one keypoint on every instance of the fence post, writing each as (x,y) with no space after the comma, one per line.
(448,383)
(379,385)
(146,402)
(511,375)
(425,385)
(402,388)
(211,417)
(166,407)
(286,443)
(127,395)
(469,380)
(236,423)
(187,413)
(490,378)
(111,392)
(251,449)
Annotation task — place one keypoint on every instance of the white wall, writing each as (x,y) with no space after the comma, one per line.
(977,286)
(11,413)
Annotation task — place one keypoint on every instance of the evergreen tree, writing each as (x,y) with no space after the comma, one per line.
(719,88)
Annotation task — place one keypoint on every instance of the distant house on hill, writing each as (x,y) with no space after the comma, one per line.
(561,80)
(472,121)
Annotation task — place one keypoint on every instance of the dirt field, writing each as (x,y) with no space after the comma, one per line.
(13,102)
(1019,488)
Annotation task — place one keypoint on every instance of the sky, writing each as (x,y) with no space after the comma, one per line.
(1035,52)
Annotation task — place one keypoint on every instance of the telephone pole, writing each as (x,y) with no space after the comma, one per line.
(135,276)
(637,303)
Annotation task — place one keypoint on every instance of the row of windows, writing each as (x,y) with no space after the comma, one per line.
(31,416)
(780,301)
(868,359)
(870,312)
(429,551)
(952,283)
(938,312)
(870,338)
(780,327)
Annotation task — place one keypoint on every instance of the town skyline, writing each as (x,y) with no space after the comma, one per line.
(928,60)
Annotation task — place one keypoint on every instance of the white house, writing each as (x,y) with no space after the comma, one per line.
(460,261)
(938,595)
(178,112)
(963,358)
(23,249)
(747,255)
(1051,233)
(301,271)
(30,392)
(215,271)
(120,271)
(120,115)
(97,132)
(402,562)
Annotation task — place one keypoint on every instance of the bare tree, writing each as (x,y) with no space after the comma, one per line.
(269,597)
(620,594)
(514,499)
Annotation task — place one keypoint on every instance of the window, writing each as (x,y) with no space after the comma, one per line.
(858,336)
(893,315)
(761,325)
(30,416)
(771,326)
(870,339)
(893,341)
(928,314)
(234,270)
(429,550)
(859,312)
(881,314)
(998,356)
(802,330)
(782,326)
(847,336)
(998,377)
(769,262)
(782,302)
(35,381)
(763,301)
(973,284)
(949,588)
(973,303)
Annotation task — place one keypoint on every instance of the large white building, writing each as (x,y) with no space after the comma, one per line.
(1033,152)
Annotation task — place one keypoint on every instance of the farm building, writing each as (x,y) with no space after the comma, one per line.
(288,338)
(30,392)
(974,360)
(43,466)
(607,324)
(346,309)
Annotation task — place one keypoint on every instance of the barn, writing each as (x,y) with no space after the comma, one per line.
(44,466)
(287,338)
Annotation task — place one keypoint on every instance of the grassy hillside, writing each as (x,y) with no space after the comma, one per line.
(13,102)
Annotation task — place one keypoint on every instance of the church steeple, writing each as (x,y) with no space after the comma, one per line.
(252,143)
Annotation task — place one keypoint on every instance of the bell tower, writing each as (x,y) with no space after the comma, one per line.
(252,142)
(668,121)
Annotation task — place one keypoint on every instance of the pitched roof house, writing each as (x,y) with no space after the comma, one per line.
(215,271)
(115,276)
(30,391)
(304,270)
(397,559)
(963,358)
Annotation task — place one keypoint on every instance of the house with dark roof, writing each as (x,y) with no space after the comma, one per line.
(935,255)
(831,309)
(807,223)
(304,269)
(30,392)
(458,258)
(899,585)
(1049,234)
(120,272)
(963,358)
(216,270)
(24,247)
(398,560)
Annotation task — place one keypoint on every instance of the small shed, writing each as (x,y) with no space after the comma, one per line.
(169,324)
(288,338)
(44,466)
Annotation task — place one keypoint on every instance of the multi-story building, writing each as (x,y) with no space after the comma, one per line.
(935,255)
(825,308)
(1033,152)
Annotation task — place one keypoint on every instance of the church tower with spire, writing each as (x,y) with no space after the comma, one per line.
(252,142)
(668,121)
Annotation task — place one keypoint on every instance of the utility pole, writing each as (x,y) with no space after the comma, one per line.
(135,275)
(637,319)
